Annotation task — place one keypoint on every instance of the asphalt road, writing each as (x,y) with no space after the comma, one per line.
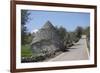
(77,52)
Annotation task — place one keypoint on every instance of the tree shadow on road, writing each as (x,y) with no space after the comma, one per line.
(76,44)
(72,48)
(65,50)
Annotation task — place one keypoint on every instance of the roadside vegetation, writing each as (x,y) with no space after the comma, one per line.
(87,33)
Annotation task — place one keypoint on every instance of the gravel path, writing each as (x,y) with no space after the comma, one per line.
(77,52)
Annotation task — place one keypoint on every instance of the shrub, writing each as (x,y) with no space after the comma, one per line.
(40,58)
(79,31)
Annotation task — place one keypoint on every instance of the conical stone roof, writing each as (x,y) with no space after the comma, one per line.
(47,32)
(47,25)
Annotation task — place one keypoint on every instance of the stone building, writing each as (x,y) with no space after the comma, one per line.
(46,40)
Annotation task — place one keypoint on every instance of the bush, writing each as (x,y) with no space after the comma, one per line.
(35,58)
(40,58)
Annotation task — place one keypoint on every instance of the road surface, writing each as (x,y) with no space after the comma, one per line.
(77,52)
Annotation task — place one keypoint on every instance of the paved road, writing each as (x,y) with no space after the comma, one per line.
(77,52)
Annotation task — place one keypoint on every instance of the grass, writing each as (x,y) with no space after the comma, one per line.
(26,51)
(29,56)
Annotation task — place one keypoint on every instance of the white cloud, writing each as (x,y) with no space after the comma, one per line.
(35,30)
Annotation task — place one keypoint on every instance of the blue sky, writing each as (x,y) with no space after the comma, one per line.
(69,20)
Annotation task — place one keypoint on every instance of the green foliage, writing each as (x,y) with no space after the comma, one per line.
(38,58)
(28,56)
(62,32)
(35,58)
(24,19)
(28,39)
(87,33)
(69,39)
(24,16)
(79,31)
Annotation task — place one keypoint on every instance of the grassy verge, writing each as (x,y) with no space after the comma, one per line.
(28,56)
(26,51)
